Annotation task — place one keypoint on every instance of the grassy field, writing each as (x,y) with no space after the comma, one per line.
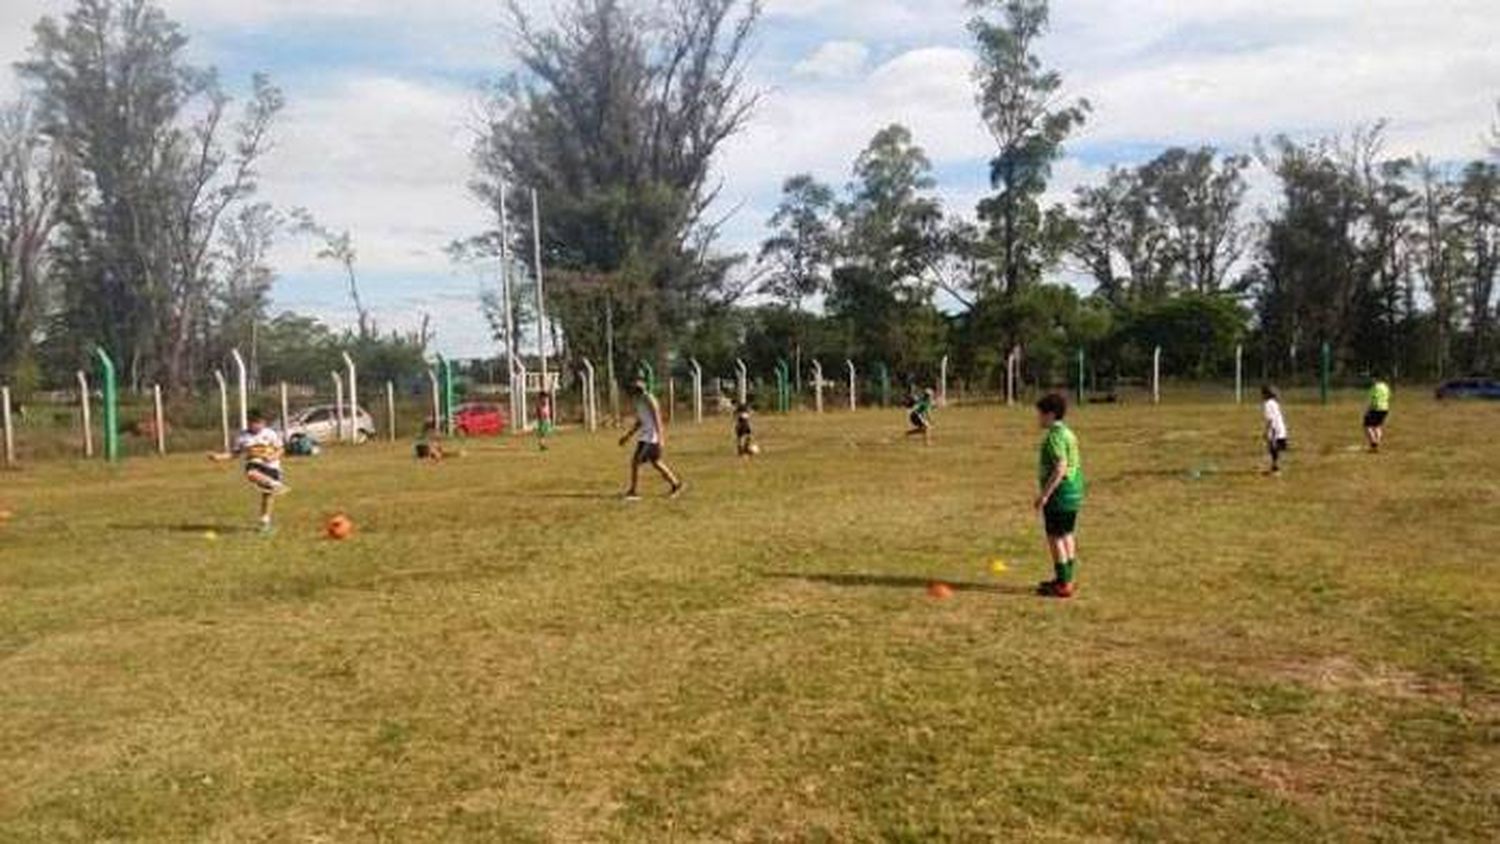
(505,652)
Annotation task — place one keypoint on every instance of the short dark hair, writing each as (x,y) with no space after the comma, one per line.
(254,414)
(1269,392)
(1053,404)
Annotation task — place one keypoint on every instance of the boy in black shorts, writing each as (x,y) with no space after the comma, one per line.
(261,447)
(651,438)
(744,435)
(1060,477)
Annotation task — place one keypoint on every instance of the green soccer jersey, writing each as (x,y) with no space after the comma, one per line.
(1380,397)
(1062,444)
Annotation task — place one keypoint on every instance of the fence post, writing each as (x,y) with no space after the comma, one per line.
(1325,371)
(437,401)
(111,390)
(1239,374)
(5,421)
(525,413)
(1156,376)
(817,368)
(161,420)
(590,397)
(286,416)
(697,390)
(671,399)
(853,385)
(241,380)
(223,406)
(338,402)
(390,410)
(744,380)
(353,375)
(943,383)
(88,421)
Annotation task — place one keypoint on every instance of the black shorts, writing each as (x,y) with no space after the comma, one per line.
(647,453)
(263,477)
(1376,418)
(918,420)
(742,430)
(1278,446)
(1060,523)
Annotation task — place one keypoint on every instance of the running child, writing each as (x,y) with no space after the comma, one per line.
(921,417)
(544,426)
(1276,432)
(650,439)
(1060,476)
(1377,414)
(744,435)
(429,446)
(261,448)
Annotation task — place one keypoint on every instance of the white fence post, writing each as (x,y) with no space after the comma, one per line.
(943,384)
(286,416)
(161,420)
(590,397)
(697,390)
(817,369)
(744,380)
(853,386)
(223,406)
(437,401)
(88,419)
(1156,376)
(242,384)
(519,398)
(353,375)
(390,410)
(9,425)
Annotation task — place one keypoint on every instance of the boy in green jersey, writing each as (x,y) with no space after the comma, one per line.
(921,417)
(1378,412)
(1060,475)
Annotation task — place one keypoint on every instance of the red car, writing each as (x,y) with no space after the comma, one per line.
(479,419)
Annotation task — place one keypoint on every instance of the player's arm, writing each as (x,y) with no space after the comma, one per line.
(1059,474)
(661,427)
(630,433)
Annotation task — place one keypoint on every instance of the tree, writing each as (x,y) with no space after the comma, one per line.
(800,249)
(1018,99)
(338,247)
(616,119)
(244,292)
(1198,206)
(34,182)
(1478,209)
(1441,255)
(164,164)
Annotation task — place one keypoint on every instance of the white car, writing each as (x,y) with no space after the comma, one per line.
(321,422)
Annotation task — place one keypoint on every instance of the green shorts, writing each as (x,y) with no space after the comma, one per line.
(1060,523)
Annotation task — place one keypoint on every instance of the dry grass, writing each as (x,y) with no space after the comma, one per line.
(505,653)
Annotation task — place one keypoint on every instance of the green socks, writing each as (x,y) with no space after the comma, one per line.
(1065,570)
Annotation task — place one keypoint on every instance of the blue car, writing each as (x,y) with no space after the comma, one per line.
(1470,388)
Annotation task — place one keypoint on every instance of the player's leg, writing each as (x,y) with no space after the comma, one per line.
(635,474)
(668,475)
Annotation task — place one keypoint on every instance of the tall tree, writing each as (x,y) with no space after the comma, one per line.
(800,248)
(1019,100)
(244,291)
(616,118)
(165,162)
(1199,205)
(1441,255)
(1478,210)
(34,181)
(338,246)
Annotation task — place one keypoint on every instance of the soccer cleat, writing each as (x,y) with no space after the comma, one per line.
(677,491)
(1056,589)
(631,496)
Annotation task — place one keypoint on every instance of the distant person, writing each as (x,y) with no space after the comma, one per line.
(429,446)
(261,448)
(650,442)
(744,433)
(1060,476)
(544,424)
(921,417)
(1277,441)
(1377,414)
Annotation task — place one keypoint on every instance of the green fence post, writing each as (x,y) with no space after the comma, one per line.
(783,388)
(446,394)
(111,391)
(1325,371)
(647,373)
(1081,370)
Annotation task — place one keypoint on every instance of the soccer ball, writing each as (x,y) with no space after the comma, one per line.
(754,448)
(339,527)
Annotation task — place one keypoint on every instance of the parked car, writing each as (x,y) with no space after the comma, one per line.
(479,419)
(1470,388)
(321,423)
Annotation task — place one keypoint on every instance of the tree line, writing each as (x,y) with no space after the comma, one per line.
(131,219)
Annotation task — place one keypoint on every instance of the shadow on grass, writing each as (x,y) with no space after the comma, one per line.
(1184,474)
(898,581)
(575,496)
(189,527)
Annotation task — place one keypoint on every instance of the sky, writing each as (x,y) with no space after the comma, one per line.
(383,94)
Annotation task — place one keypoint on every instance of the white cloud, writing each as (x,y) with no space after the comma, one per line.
(834,60)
